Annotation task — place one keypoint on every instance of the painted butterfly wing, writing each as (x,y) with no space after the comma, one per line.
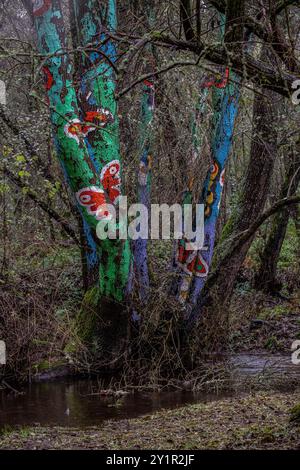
(201,268)
(93,199)
(110,179)
(40,7)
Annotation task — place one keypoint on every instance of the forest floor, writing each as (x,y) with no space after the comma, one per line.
(264,323)
(258,420)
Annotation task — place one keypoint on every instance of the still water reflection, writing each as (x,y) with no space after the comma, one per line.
(78,402)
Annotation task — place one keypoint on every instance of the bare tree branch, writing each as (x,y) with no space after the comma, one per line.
(186,15)
(43,205)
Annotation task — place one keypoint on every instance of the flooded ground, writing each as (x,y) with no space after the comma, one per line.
(260,364)
(77,403)
(70,402)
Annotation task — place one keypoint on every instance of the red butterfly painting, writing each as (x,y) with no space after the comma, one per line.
(77,130)
(214,83)
(49,80)
(191,262)
(40,7)
(111,181)
(201,267)
(93,199)
(101,117)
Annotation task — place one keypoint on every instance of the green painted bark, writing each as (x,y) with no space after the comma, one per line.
(87,133)
(72,151)
(99,110)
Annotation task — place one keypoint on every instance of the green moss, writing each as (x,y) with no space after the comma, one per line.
(289,250)
(295,414)
(85,322)
(227,229)
(47,365)
(156,34)
(275,312)
(272,343)
(222,247)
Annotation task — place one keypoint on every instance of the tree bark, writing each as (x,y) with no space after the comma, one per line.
(225,104)
(186,18)
(251,204)
(265,278)
(141,282)
(86,132)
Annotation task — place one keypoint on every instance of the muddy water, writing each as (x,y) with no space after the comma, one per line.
(264,364)
(78,402)
(74,404)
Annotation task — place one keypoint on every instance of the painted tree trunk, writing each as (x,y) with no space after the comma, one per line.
(100,114)
(144,185)
(196,264)
(87,139)
(86,133)
(89,251)
(253,196)
(64,112)
(182,257)
(225,103)
(140,246)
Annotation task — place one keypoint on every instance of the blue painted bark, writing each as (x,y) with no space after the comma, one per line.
(100,112)
(64,112)
(185,259)
(226,108)
(188,260)
(87,140)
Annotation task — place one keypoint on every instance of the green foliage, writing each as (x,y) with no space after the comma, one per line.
(275,312)
(295,414)
(60,256)
(272,343)
(85,322)
(288,256)
(20,159)
(23,174)
(48,365)
(6,430)
(52,188)
(4,188)
(156,34)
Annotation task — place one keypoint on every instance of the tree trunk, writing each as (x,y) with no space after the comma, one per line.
(140,246)
(86,133)
(265,278)
(196,264)
(252,201)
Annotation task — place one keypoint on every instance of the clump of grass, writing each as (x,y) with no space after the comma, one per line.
(295,414)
